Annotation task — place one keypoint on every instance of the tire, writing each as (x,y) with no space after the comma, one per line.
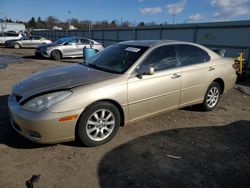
(16,45)
(212,96)
(56,55)
(98,124)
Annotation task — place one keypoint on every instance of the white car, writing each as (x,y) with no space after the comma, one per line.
(9,36)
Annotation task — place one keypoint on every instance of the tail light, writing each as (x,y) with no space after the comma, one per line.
(236,65)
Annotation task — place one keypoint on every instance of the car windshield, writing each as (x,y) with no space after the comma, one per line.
(61,41)
(116,58)
(23,37)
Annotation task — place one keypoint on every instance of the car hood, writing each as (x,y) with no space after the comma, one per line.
(59,78)
(49,45)
(10,41)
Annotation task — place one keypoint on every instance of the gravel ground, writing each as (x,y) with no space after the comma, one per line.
(182,148)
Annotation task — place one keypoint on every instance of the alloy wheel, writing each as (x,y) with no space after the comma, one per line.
(100,125)
(212,97)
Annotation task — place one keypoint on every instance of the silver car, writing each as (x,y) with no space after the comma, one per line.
(31,41)
(67,47)
(121,84)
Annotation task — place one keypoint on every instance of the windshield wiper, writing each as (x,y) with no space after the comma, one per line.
(94,66)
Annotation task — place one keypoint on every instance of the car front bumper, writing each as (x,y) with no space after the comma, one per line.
(42,127)
(41,53)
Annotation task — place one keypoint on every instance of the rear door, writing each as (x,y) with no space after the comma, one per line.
(197,73)
(84,43)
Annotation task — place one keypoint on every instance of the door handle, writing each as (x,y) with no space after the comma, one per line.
(175,75)
(211,68)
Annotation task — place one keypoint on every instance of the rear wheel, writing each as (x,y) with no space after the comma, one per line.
(98,124)
(212,96)
(56,55)
(16,45)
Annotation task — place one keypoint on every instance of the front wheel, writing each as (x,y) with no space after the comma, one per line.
(56,55)
(98,124)
(212,96)
(16,45)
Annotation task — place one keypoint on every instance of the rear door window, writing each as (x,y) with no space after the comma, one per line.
(191,55)
(84,41)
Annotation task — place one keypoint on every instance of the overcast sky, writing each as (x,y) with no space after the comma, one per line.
(159,11)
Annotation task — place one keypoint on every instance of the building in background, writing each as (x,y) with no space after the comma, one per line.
(9,26)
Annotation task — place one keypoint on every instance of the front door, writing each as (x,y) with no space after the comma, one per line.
(151,94)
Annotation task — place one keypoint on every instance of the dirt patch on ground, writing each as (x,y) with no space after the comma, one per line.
(182,148)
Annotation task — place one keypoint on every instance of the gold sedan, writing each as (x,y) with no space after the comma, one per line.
(123,83)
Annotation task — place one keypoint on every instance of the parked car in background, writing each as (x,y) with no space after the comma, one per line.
(121,84)
(31,41)
(67,47)
(9,36)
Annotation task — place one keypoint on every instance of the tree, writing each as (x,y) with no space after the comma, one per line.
(113,24)
(126,24)
(51,21)
(40,24)
(141,24)
(31,23)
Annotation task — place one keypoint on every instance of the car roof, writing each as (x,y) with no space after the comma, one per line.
(147,43)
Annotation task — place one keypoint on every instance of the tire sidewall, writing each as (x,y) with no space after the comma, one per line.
(16,45)
(53,57)
(81,133)
(205,106)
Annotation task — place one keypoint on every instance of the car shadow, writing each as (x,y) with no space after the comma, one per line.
(190,157)
(32,57)
(8,136)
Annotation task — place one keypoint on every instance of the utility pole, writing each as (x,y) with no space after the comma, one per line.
(174,18)
(174,14)
(69,20)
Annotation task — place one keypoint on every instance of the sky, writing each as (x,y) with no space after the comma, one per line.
(135,11)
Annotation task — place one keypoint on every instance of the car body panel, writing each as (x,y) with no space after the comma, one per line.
(137,96)
(162,92)
(54,79)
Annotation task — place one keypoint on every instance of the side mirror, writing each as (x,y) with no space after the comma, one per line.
(66,44)
(146,70)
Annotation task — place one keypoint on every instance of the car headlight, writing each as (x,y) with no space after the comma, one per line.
(43,102)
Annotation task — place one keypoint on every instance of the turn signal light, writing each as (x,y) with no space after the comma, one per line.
(68,118)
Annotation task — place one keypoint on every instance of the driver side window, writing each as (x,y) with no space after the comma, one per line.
(162,58)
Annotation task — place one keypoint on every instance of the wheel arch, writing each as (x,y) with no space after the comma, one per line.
(220,81)
(16,42)
(115,103)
